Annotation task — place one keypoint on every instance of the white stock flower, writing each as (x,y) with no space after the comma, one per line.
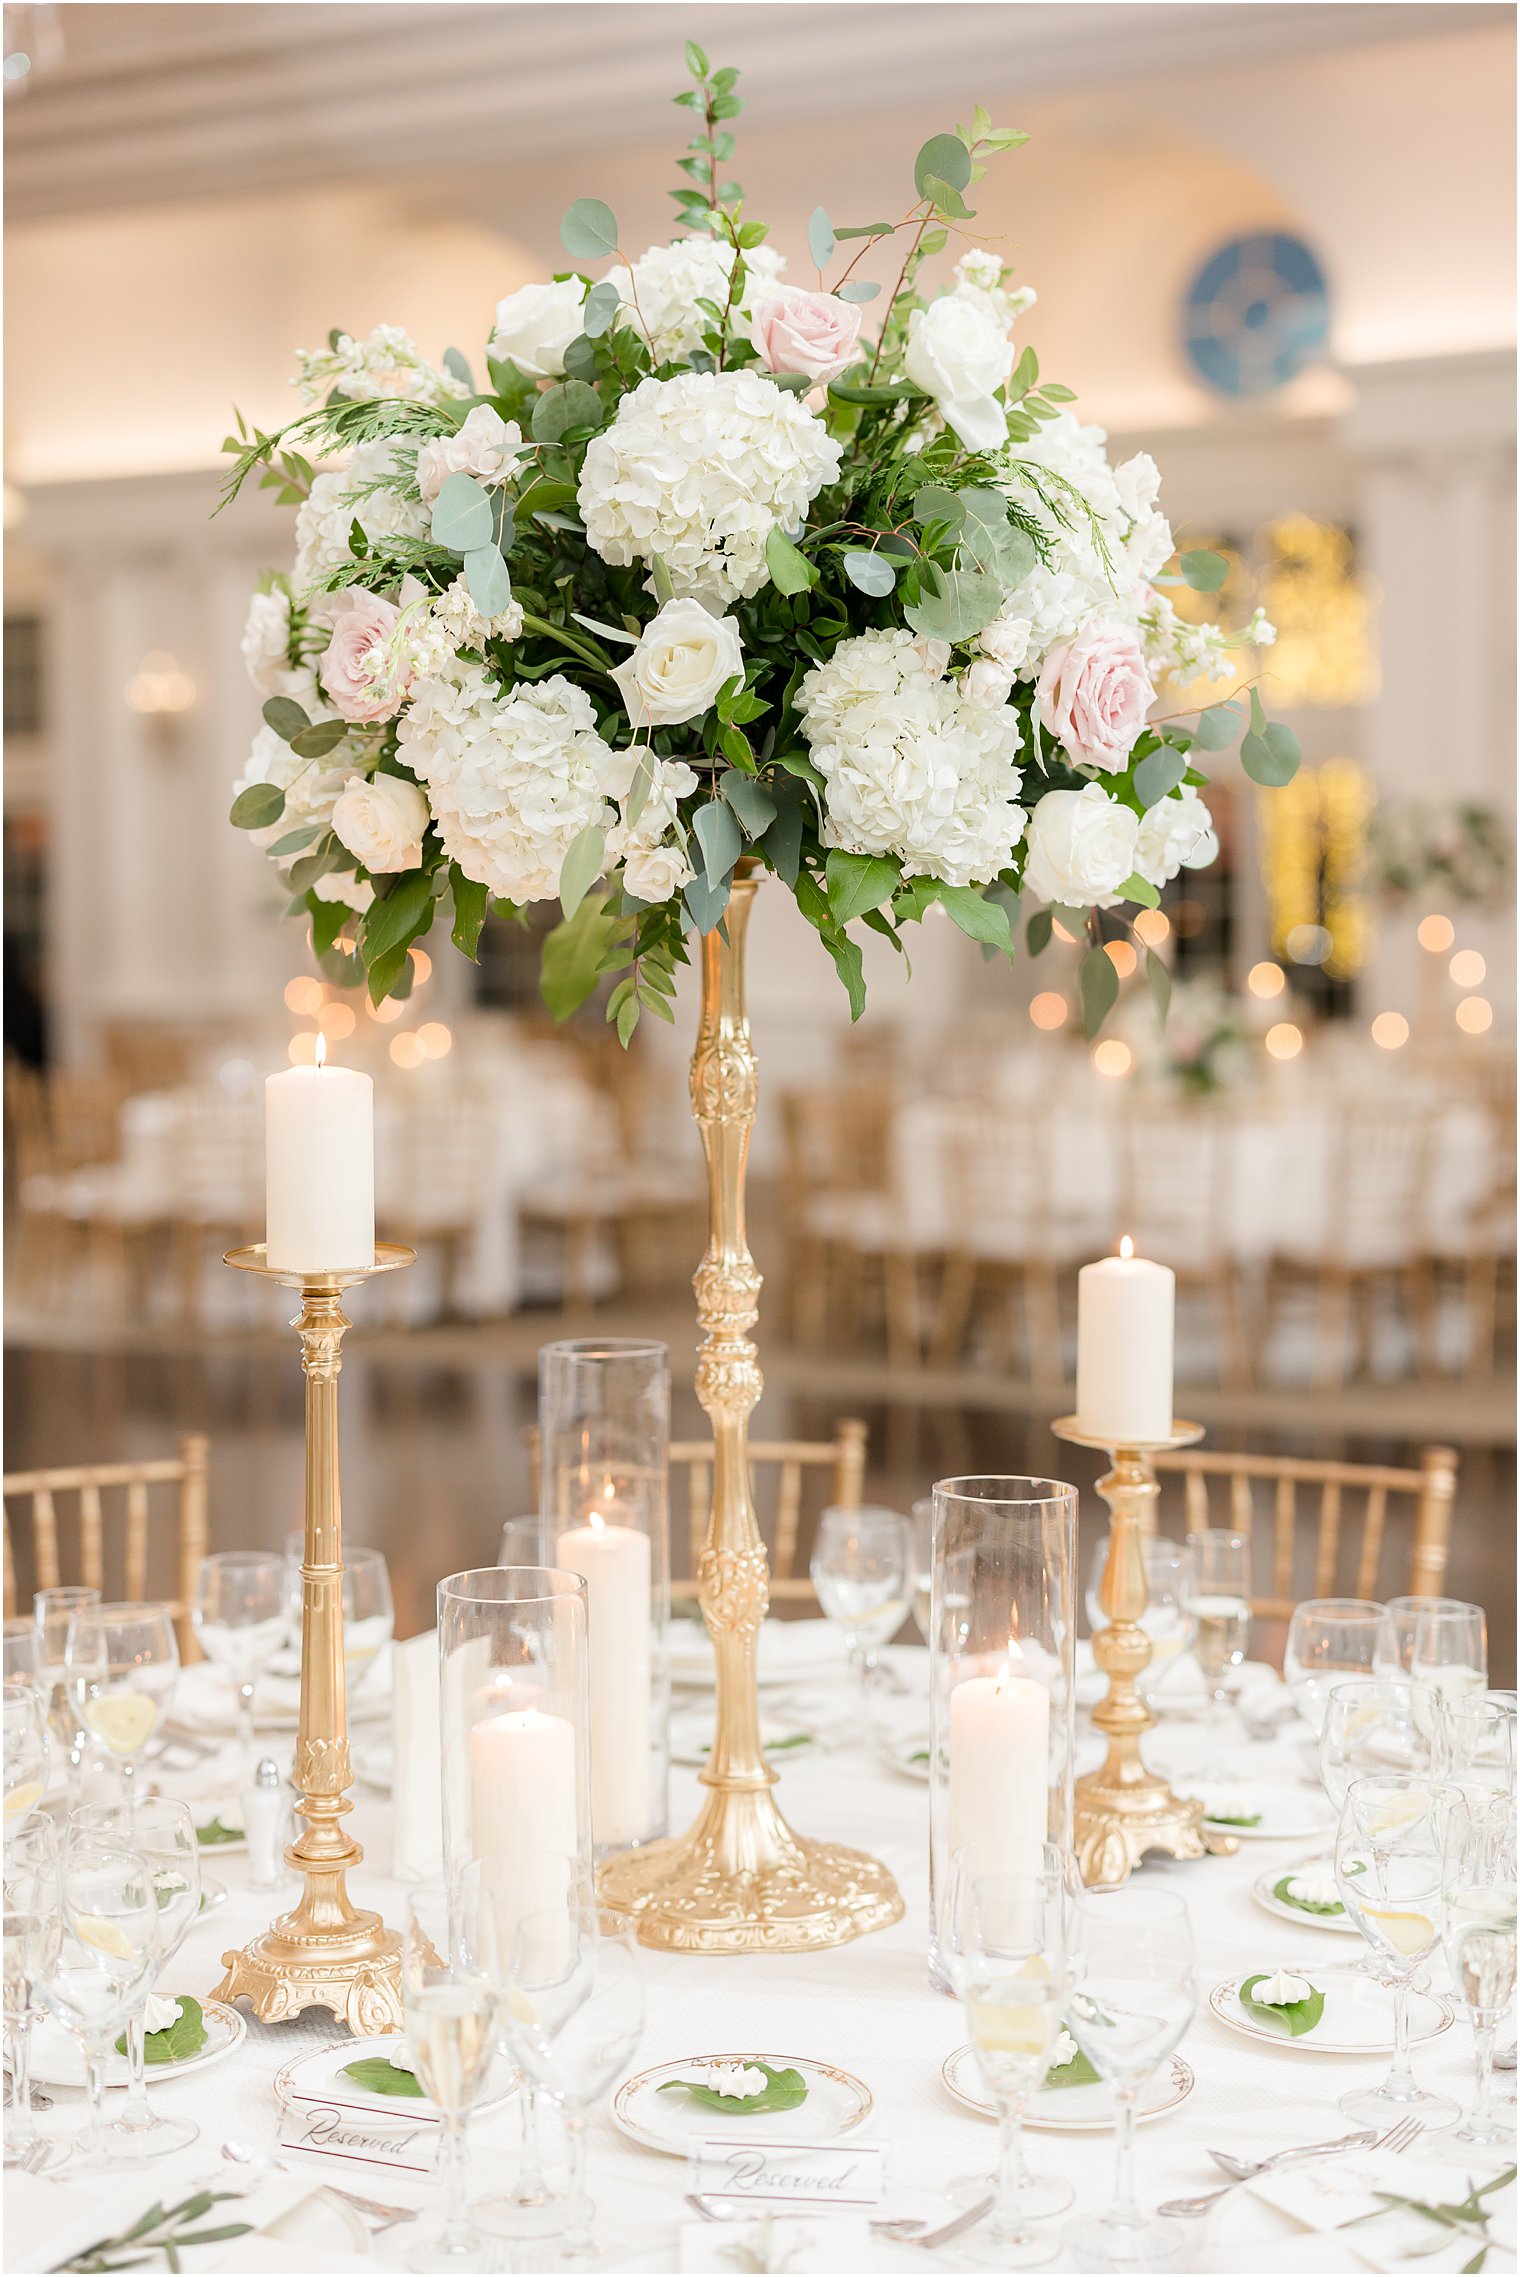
(980,269)
(387,364)
(324,520)
(1177,833)
(911,766)
(513,779)
(1081,846)
(310,788)
(683,657)
(958,353)
(699,470)
(484,446)
(536,324)
(266,650)
(381,820)
(655,864)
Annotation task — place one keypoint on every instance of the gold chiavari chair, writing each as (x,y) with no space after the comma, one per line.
(1349,1526)
(844,1229)
(842,1460)
(42,1491)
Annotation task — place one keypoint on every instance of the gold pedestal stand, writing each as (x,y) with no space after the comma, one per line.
(740,1881)
(324,1953)
(1123,1810)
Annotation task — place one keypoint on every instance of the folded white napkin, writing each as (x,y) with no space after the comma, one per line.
(417,1788)
(1338,2194)
(48,2222)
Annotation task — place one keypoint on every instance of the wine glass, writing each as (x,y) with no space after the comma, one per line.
(1395,1650)
(860,1565)
(1003,1943)
(1388,1870)
(369,1615)
(1361,1736)
(921,1571)
(239,1616)
(123,1665)
(52,1611)
(162,1831)
(1448,1659)
(450,2008)
(23,1654)
(1169,1584)
(575,2014)
(1219,1602)
(1134,1997)
(31,1933)
(1478,1899)
(1329,1639)
(26,1751)
(102,1967)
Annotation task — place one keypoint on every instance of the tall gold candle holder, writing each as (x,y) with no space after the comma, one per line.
(324,1953)
(740,1880)
(1123,1810)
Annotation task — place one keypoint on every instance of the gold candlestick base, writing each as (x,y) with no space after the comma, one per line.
(1124,1810)
(324,1953)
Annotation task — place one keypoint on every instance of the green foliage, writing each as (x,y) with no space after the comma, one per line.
(1331,1907)
(790,570)
(1157,774)
(185,2037)
(1204,571)
(377,2075)
(471,902)
(1099,984)
(1078,2073)
(461,517)
(257,807)
(783,2091)
(582,867)
(944,159)
(589,230)
(1269,750)
(1296,2018)
(572,957)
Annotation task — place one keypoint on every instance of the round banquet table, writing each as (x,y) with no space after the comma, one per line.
(868,2008)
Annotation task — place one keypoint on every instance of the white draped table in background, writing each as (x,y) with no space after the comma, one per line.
(867,2007)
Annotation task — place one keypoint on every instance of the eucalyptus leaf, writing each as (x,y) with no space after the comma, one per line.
(571,404)
(1100,987)
(1270,755)
(751,802)
(871,573)
(943,158)
(706,903)
(490,584)
(954,603)
(455,362)
(1158,773)
(462,518)
(589,230)
(285,716)
(1297,2017)
(1204,570)
(600,311)
(1217,728)
(782,843)
(1037,932)
(294,841)
(820,237)
(936,502)
(857,289)
(717,833)
(582,866)
(257,807)
(316,741)
(790,571)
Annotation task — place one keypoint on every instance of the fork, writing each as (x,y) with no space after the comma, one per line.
(1398,2138)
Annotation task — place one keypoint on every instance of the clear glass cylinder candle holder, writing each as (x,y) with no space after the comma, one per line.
(604,1433)
(515,1719)
(1002,1649)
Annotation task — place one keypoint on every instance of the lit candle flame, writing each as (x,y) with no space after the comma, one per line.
(1126,1246)
(1013,1659)
(596,1521)
(319,1057)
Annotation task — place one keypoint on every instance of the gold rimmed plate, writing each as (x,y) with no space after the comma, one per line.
(1084,2110)
(1357,2019)
(58,2061)
(836,2101)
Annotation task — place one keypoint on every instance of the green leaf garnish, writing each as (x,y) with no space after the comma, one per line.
(382,2077)
(214,1831)
(1303,1905)
(186,2036)
(1078,2073)
(783,2091)
(1233,1818)
(1299,2016)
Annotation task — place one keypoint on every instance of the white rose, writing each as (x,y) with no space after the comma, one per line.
(682,659)
(1282,1990)
(266,646)
(958,355)
(987,684)
(1007,641)
(1177,833)
(1137,484)
(535,325)
(484,446)
(935,653)
(1081,846)
(654,873)
(381,821)
(341,885)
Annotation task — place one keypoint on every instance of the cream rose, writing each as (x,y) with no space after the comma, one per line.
(797,331)
(655,873)
(957,354)
(1081,846)
(381,820)
(535,325)
(683,657)
(987,685)
(1094,693)
(363,675)
(484,446)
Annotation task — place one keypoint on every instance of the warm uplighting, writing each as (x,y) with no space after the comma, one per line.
(406,1051)
(1060,931)
(1152,926)
(436,1040)
(1049,1010)
(158,688)
(422,965)
(304,996)
(1112,1058)
(1285,1041)
(1475,1015)
(1309,944)
(1121,956)
(1266,979)
(1390,1030)
(1436,934)
(304,1049)
(1468,968)
(337,1021)
(389,1008)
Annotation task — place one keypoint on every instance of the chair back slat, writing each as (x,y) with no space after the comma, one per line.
(1372,1540)
(789,1461)
(1242,1509)
(1432,1524)
(1329,1538)
(1286,1517)
(92,1562)
(137,1539)
(788,1513)
(1196,1490)
(90,1484)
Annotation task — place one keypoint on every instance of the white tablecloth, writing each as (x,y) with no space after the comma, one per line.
(868,2007)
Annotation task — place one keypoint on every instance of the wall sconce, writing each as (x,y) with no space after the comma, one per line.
(161,695)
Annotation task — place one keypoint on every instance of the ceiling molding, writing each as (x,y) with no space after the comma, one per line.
(155,103)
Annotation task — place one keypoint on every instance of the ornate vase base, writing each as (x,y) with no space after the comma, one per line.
(1116,1825)
(359,1979)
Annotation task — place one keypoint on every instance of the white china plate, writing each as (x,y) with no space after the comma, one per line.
(203,1703)
(1358,2017)
(836,2102)
(1288,1814)
(57,2060)
(791,1652)
(1086,2110)
(1262,1890)
(320,2073)
(911,1758)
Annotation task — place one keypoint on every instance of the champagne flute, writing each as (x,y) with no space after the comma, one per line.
(1134,1997)
(31,1934)
(1329,1640)
(1363,1735)
(921,1571)
(860,1565)
(162,1831)
(102,1966)
(450,2008)
(1388,1868)
(1448,1659)
(1478,1897)
(1395,1650)
(26,1752)
(1169,1586)
(239,1616)
(123,1664)
(1219,1602)
(52,1611)
(23,1654)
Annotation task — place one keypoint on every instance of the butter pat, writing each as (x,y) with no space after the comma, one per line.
(1064,2052)
(1281,1991)
(160,2014)
(1314,1889)
(734,2080)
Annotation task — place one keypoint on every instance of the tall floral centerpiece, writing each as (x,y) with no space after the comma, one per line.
(709,569)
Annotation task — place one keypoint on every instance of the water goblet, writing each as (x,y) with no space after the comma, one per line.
(369,1614)
(1475,1747)
(1134,1997)
(860,1565)
(1219,1602)
(239,1616)
(921,1571)
(161,1831)
(1395,1650)
(1363,1735)
(1329,1640)
(26,1751)
(123,1665)
(31,1933)
(102,1966)
(450,2010)
(1448,1659)
(52,1611)
(1478,1901)
(1169,1585)
(1388,1869)
(23,1653)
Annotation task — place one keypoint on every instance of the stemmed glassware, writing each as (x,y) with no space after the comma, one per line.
(1478,1904)
(1389,1851)
(1134,1997)
(240,1617)
(23,1654)
(1395,1648)
(1003,1944)
(101,1969)
(1169,1586)
(860,1566)
(1329,1639)
(369,1613)
(123,1664)
(1475,1747)
(1219,1603)
(921,1570)
(162,1832)
(52,1611)
(26,1751)
(31,1934)
(1448,1659)
(450,2002)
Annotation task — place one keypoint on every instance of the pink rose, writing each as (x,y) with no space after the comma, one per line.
(797,331)
(1094,694)
(362,673)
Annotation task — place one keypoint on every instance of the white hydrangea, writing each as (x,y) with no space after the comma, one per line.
(659,295)
(912,767)
(699,470)
(654,858)
(311,789)
(326,517)
(513,780)
(389,363)
(1177,833)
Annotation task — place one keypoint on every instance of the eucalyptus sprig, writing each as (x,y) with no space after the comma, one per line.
(1468,2216)
(161,2230)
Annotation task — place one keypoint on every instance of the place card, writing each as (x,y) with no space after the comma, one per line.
(326,2129)
(833,2175)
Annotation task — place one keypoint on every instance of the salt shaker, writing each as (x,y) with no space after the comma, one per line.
(266,1821)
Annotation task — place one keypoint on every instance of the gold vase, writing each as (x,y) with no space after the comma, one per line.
(740,1881)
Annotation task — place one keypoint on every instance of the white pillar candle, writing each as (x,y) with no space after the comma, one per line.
(319,1170)
(1125,1306)
(1000,1771)
(523,1815)
(616,1563)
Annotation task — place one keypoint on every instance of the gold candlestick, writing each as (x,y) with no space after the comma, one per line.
(324,1953)
(1123,1810)
(740,1881)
